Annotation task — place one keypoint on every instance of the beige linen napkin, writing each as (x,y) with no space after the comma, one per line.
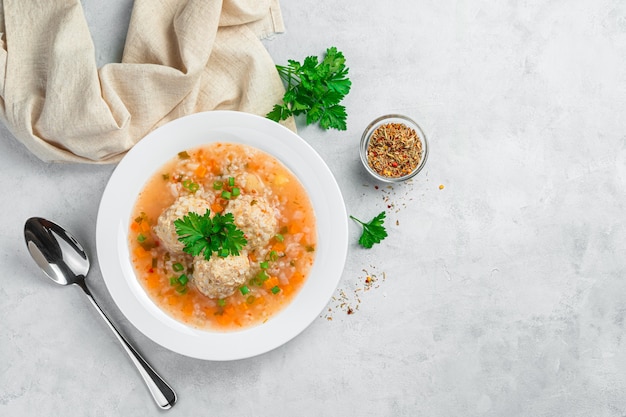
(180,57)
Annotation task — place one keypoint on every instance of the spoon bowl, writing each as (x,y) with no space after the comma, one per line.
(62,258)
(59,255)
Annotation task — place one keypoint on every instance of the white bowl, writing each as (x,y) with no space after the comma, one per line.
(158,147)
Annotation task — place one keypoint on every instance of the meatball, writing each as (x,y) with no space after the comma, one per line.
(220,277)
(165,229)
(256,219)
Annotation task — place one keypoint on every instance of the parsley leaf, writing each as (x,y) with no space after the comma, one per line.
(373,232)
(203,235)
(315,88)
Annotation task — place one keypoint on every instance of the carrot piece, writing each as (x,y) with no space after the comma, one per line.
(296,277)
(270,282)
(223,319)
(295,228)
(134,226)
(140,252)
(200,171)
(152,281)
(217,208)
(287,289)
(279,247)
(145,227)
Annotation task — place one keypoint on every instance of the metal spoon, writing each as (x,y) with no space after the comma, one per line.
(64,261)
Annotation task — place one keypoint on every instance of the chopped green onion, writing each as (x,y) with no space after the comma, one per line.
(262,276)
(141,238)
(191,186)
(275,289)
(221,302)
(250,299)
(284,230)
(183,280)
(183,155)
(236,191)
(217,185)
(226,195)
(264,265)
(273,256)
(244,290)
(182,289)
(147,244)
(259,278)
(231,181)
(279,237)
(178,267)
(173,281)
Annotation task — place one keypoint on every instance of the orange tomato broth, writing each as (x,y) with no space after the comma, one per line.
(294,245)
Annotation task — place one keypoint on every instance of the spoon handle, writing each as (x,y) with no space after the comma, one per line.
(162,393)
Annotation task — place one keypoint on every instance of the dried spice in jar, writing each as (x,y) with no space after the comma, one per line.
(394,150)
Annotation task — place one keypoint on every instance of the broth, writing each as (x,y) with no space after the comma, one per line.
(279,265)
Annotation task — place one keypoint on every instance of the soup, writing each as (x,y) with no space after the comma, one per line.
(264,200)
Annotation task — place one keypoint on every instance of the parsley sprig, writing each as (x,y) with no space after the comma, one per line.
(373,232)
(205,235)
(315,88)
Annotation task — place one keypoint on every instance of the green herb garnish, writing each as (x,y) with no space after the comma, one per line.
(315,88)
(373,232)
(203,235)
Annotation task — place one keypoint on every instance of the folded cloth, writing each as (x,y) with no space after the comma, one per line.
(180,57)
